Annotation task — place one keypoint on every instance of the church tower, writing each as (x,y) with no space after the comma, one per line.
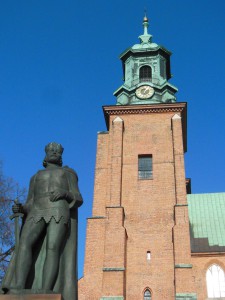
(146,71)
(138,244)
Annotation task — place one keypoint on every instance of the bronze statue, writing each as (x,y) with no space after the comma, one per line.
(45,260)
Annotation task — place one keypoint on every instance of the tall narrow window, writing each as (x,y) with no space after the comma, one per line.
(215,280)
(163,68)
(145,74)
(148,255)
(147,295)
(145,166)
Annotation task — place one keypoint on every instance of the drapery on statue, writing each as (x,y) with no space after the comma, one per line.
(45,261)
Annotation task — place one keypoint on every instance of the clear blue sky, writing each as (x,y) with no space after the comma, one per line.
(59,64)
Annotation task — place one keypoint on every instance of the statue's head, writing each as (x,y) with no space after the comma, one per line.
(54,153)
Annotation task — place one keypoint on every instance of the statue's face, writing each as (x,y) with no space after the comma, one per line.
(53,155)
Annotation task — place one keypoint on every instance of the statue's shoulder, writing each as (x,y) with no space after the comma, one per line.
(40,171)
(70,170)
(37,173)
(33,177)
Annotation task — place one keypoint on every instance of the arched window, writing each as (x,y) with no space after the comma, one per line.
(145,74)
(147,295)
(215,280)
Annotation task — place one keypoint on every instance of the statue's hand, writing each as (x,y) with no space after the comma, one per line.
(17,208)
(56,195)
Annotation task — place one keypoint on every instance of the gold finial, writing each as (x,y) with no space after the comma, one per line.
(145,16)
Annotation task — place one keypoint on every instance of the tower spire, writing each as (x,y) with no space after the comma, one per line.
(145,38)
(145,22)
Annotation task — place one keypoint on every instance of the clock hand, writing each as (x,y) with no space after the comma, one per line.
(145,91)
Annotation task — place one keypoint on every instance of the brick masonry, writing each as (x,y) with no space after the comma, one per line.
(133,216)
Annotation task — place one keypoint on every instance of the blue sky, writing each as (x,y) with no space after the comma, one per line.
(59,65)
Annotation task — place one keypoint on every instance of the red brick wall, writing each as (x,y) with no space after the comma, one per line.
(140,215)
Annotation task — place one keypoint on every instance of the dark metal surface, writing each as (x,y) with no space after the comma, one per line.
(45,258)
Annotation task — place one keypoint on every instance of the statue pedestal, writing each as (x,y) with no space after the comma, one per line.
(31,297)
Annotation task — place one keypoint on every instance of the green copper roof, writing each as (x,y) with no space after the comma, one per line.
(207,222)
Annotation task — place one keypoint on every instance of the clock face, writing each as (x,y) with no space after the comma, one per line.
(145,92)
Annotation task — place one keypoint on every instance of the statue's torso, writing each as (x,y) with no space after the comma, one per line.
(45,182)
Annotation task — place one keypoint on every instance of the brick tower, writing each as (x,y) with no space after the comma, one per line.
(138,244)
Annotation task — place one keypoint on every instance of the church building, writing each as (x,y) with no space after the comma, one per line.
(149,238)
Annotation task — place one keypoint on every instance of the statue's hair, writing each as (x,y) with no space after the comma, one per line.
(59,147)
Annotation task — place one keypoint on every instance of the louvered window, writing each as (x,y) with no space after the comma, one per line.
(163,68)
(145,74)
(145,166)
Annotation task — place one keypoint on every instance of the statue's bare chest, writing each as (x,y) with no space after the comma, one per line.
(50,180)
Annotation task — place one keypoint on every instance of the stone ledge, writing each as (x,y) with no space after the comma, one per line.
(112,298)
(97,217)
(113,269)
(183,266)
(102,132)
(114,206)
(186,296)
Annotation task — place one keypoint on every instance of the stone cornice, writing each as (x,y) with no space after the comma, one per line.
(143,108)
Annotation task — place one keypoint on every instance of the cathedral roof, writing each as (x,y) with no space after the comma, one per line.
(207,222)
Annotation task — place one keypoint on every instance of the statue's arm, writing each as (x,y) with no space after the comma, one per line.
(74,192)
(30,198)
